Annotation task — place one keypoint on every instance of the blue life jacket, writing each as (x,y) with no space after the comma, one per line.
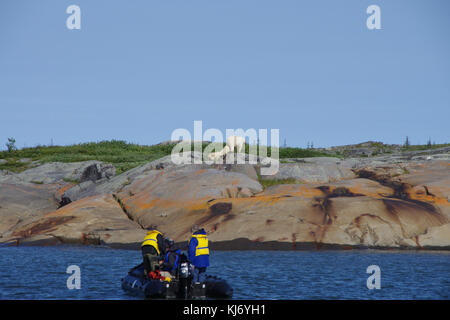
(175,264)
(199,249)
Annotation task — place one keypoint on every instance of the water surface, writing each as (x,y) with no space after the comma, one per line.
(40,273)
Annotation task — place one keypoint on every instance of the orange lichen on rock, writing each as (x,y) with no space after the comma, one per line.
(64,188)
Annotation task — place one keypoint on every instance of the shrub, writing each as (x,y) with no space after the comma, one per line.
(11,145)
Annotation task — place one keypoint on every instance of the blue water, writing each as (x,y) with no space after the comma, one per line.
(40,273)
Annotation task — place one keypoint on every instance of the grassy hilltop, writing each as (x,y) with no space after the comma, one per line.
(123,155)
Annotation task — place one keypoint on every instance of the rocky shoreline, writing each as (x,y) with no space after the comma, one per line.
(239,244)
(391,201)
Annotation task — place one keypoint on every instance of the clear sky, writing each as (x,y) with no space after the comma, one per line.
(137,70)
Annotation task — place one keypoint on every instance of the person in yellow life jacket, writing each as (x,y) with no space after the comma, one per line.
(199,252)
(153,249)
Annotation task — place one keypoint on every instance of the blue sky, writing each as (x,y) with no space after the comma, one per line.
(137,70)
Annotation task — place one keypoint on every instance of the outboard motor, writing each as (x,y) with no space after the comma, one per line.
(185,276)
(185,270)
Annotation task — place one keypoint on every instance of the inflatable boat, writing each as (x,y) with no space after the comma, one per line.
(180,287)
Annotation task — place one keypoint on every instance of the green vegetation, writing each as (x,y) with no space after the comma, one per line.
(300,153)
(269,183)
(121,154)
(407,146)
(13,164)
(376,145)
(125,156)
(427,146)
(74,181)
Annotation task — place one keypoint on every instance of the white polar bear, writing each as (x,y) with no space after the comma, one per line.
(216,155)
(236,141)
(233,141)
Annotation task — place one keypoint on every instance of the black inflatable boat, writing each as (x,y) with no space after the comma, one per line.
(180,287)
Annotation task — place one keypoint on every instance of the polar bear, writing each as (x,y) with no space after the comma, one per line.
(236,141)
(217,155)
(232,142)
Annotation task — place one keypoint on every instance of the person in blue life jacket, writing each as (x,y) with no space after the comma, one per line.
(171,257)
(199,252)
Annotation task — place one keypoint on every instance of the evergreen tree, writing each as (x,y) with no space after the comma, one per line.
(407,143)
(11,144)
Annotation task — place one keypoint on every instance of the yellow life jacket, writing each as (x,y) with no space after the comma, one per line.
(202,245)
(151,239)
